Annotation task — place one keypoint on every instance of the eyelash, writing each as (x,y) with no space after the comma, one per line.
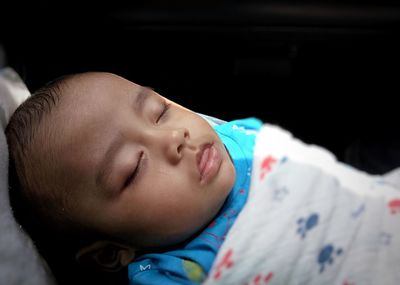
(164,111)
(135,173)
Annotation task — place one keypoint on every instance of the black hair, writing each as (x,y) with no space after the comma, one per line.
(39,214)
(24,130)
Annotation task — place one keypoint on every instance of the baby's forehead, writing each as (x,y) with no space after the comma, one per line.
(90,80)
(90,104)
(87,87)
(87,111)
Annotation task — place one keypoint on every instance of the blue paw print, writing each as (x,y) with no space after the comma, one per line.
(307,224)
(358,211)
(326,256)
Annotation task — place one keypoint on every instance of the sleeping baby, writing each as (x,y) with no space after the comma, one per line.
(125,178)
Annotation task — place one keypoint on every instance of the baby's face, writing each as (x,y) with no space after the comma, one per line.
(135,165)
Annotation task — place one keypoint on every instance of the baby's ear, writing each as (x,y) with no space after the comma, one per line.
(106,255)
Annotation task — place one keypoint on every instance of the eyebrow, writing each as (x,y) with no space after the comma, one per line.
(141,98)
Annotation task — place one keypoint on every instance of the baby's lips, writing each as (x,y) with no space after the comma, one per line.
(202,157)
(209,160)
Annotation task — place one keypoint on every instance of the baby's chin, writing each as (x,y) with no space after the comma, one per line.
(167,241)
(191,230)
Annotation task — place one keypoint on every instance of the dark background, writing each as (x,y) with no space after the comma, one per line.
(329,71)
(326,70)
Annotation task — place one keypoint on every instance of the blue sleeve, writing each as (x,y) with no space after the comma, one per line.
(247,126)
(251,123)
(165,269)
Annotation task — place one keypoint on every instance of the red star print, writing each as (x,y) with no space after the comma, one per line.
(266,165)
(226,262)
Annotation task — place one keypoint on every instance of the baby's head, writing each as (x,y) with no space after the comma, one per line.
(117,166)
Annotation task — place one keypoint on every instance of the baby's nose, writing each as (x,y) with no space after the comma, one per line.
(175,141)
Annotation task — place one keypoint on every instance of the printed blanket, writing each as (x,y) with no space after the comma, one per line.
(311,219)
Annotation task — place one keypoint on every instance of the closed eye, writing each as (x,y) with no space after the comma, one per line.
(164,111)
(132,177)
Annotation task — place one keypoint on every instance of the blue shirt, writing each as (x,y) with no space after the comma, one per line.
(191,263)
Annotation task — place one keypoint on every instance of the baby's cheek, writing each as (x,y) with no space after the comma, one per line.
(228,177)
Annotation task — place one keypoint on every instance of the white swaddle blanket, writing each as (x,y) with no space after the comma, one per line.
(310,219)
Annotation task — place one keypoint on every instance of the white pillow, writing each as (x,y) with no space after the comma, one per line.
(20,262)
(13,92)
